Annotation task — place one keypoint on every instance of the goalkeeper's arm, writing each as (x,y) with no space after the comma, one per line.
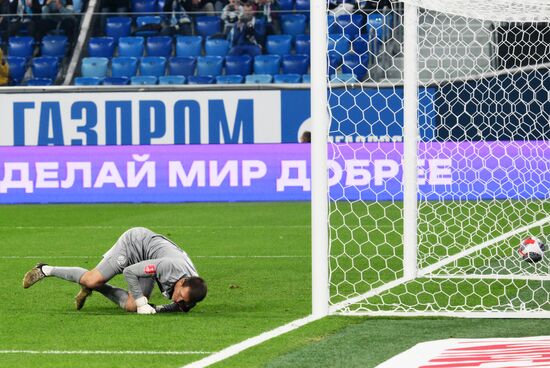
(167,308)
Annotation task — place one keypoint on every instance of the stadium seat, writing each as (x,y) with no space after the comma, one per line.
(45,67)
(295,64)
(152,65)
(306,78)
(160,5)
(301,44)
(293,24)
(188,45)
(101,47)
(229,79)
(209,65)
(258,79)
(17,68)
(278,44)
(22,46)
(379,25)
(143,80)
(159,46)
(124,66)
(182,65)
(87,81)
(338,42)
(287,78)
(360,45)
(116,81)
(172,79)
(201,79)
(240,65)
(148,25)
(334,62)
(54,46)
(94,67)
(267,64)
(117,27)
(216,47)
(39,82)
(344,78)
(131,46)
(355,64)
(285,4)
(349,24)
(143,6)
(208,25)
(302,7)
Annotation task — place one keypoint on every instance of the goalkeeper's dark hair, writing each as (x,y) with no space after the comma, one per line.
(197,288)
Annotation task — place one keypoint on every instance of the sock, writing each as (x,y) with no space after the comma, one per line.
(114,294)
(66,273)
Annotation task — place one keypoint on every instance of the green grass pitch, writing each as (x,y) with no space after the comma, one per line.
(256,260)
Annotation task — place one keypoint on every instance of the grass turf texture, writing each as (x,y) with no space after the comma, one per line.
(264,284)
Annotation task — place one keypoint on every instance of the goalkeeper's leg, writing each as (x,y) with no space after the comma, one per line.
(117,295)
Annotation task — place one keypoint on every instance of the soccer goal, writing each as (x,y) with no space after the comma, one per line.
(431,137)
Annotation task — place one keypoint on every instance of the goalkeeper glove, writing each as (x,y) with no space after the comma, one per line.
(143,307)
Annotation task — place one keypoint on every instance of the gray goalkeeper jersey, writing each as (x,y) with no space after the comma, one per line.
(151,255)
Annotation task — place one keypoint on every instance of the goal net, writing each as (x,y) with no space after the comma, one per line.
(438,157)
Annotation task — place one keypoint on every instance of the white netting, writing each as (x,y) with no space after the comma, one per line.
(483,156)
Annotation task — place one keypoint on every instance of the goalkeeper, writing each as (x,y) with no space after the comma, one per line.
(144,258)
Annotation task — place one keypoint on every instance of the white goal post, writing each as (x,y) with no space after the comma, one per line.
(430,157)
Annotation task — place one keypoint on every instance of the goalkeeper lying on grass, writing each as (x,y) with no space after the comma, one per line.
(144,258)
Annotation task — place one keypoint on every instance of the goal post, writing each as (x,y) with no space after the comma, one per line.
(430,157)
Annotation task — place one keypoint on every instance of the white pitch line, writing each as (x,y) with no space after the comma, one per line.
(103,352)
(253,341)
(98,257)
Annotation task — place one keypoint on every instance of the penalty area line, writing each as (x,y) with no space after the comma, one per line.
(253,341)
(103,352)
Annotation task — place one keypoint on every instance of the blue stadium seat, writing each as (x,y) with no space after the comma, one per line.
(258,79)
(143,80)
(287,78)
(17,68)
(360,45)
(302,6)
(101,47)
(338,42)
(131,46)
(124,66)
(116,81)
(143,6)
(285,4)
(216,47)
(278,44)
(148,25)
(267,64)
(117,27)
(306,78)
(54,46)
(39,82)
(201,79)
(334,62)
(182,65)
(344,78)
(22,46)
(355,64)
(160,5)
(379,25)
(45,67)
(87,81)
(209,65)
(172,79)
(349,24)
(94,67)
(229,79)
(240,65)
(301,44)
(295,64)
(152,65)
(159,46)
(293,24)
(188,45)
(208,25)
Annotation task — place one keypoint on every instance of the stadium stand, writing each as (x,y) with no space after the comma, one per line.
(117,27)
(124,66)
(45,67)
(209,65)
(188,45)
(182,65)
(229,79)
(17,68)
(208,25)
(293,24)
(216,47)
(87,81)
(172,79)
(143,80)
(295,64)
(267,64)
(39,82)
(54,45)
(302,44)
(287,78)
(101,47)
(94,67)
(22,46)
(238,65)
(159,46)
(258,78)
(279,44)
(116,81)
(201,79)
(152,65)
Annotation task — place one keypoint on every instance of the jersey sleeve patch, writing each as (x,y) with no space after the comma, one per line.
(150,269)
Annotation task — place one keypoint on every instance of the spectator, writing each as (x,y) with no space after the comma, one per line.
(178,22)
(67,22)
(4,70)
(199,6)
(267,12)
(7,7)
(108,7)
(28,17)
(231,14)
(246,33)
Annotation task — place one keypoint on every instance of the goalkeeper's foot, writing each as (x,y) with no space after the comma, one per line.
(80,298)
(33,276)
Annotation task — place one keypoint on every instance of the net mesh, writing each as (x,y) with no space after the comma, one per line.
(483,156)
